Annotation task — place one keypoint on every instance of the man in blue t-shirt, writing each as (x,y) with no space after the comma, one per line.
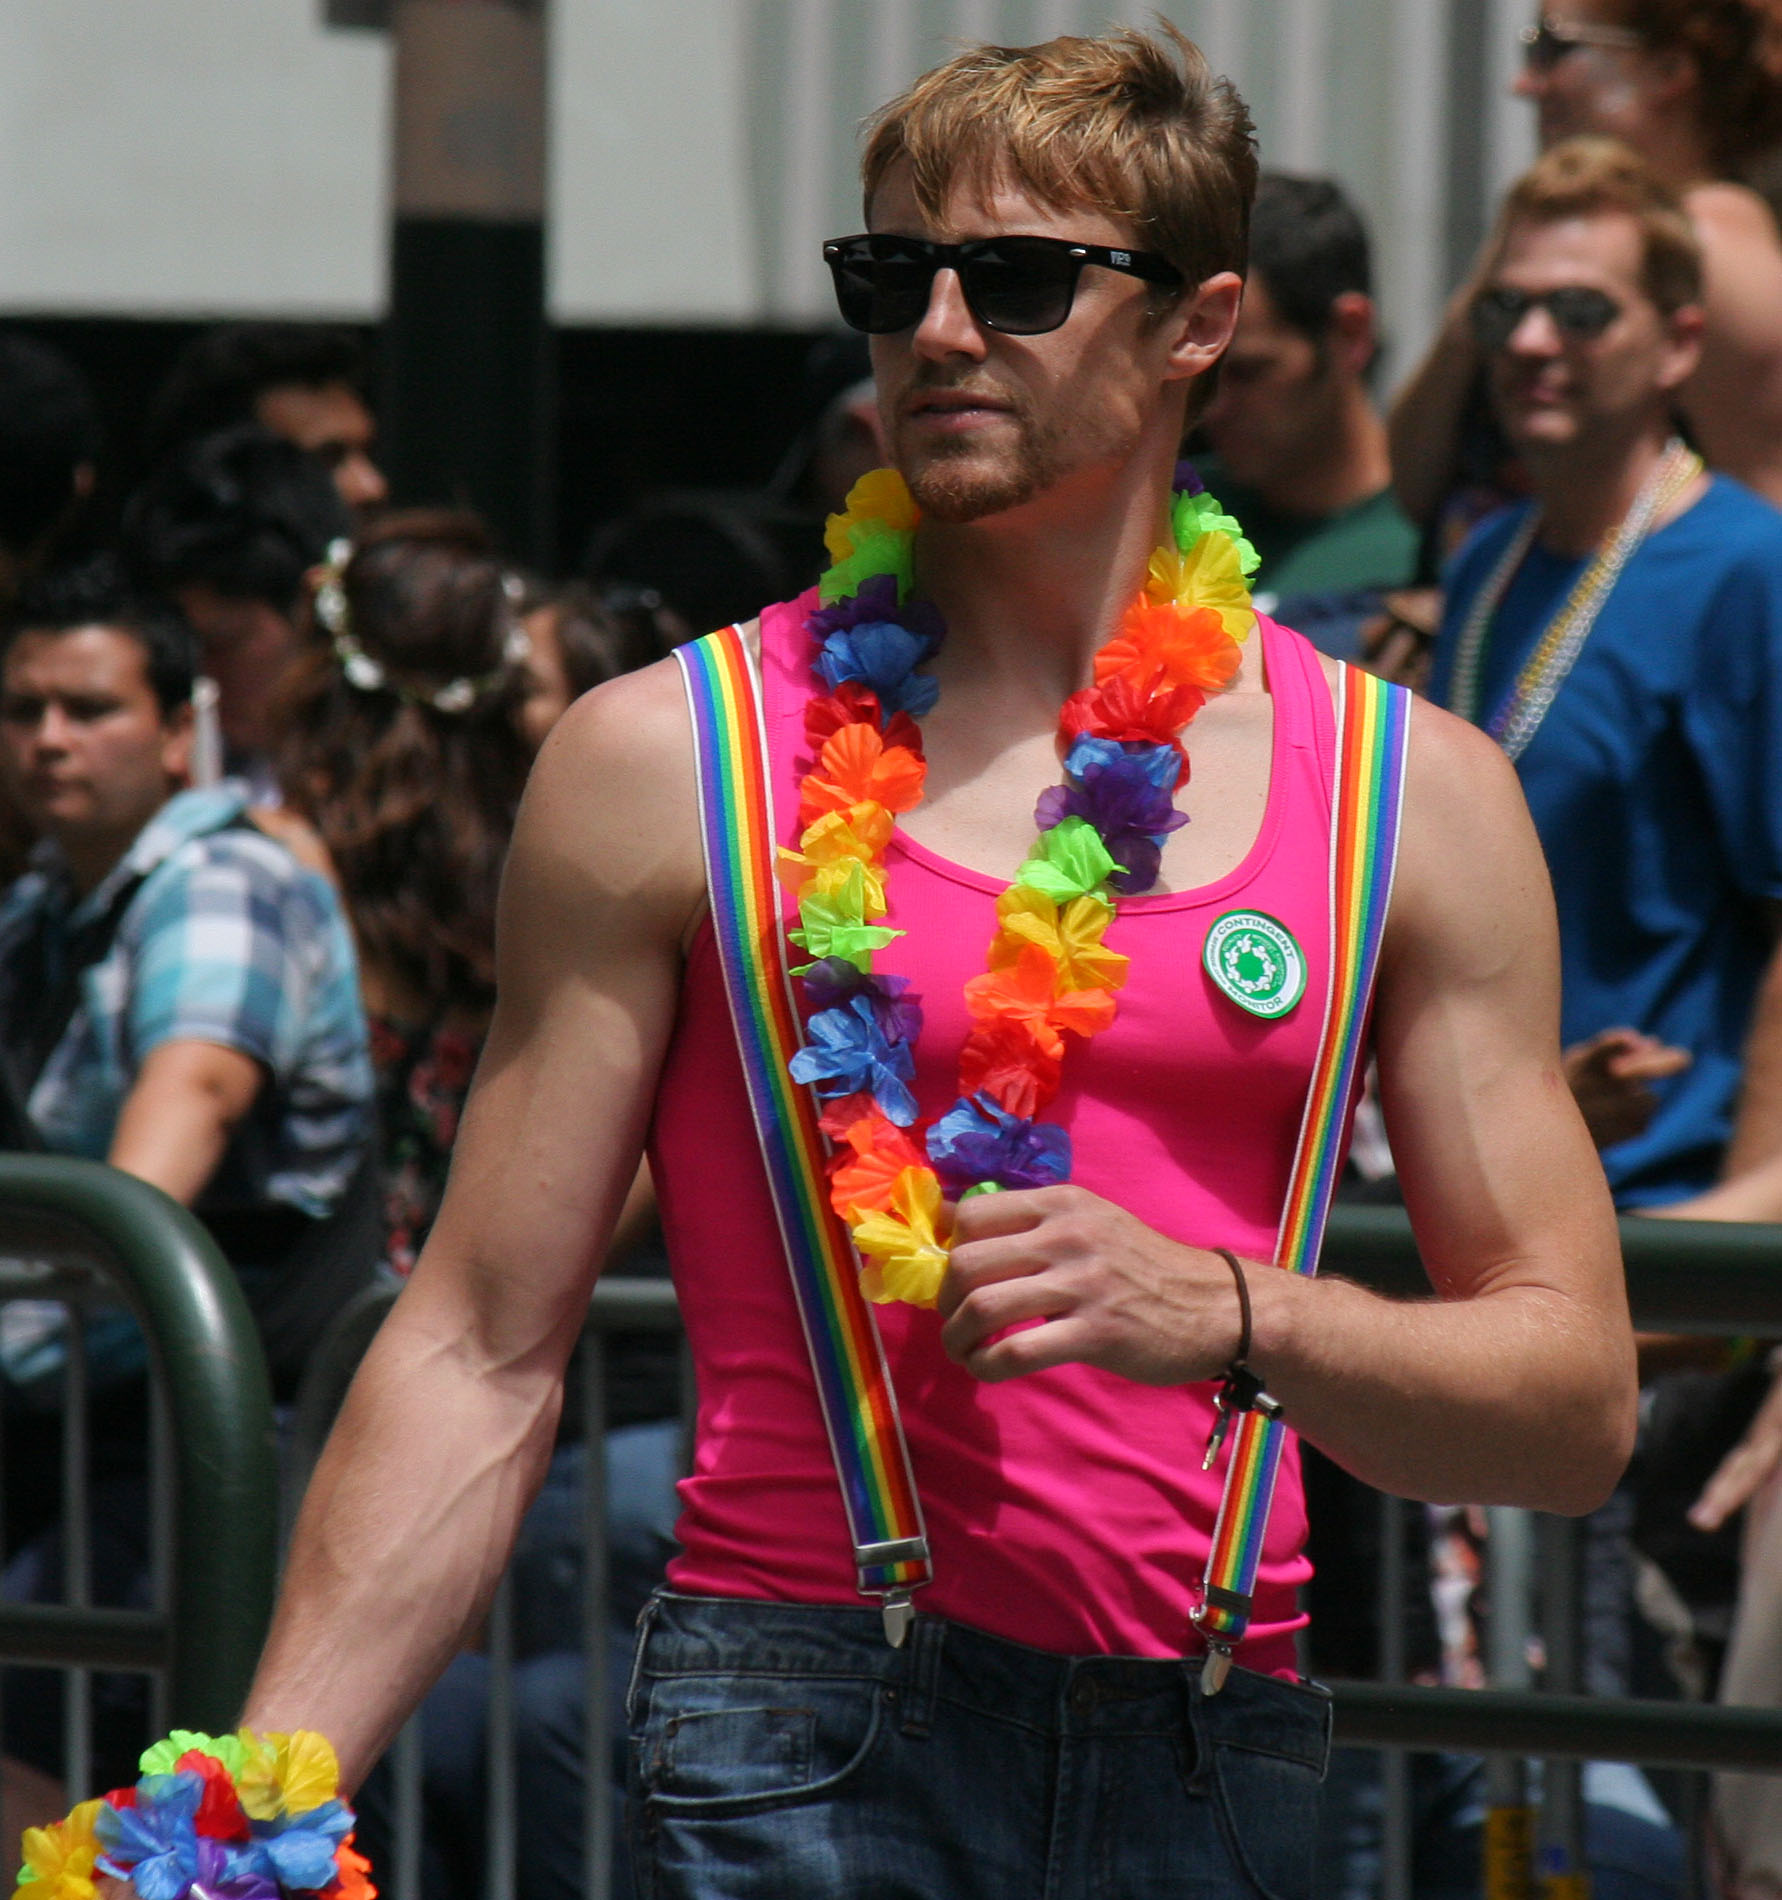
(1621,634)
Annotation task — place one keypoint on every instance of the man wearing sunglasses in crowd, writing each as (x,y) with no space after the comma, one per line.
(1620,634)
(1052,264)
(1695,87)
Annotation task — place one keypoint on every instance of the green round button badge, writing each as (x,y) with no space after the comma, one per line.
(1255,961)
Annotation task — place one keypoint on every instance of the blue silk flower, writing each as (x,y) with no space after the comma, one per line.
(849,1052)
(979,1140)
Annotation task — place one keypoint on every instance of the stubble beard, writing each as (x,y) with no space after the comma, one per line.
(966,481)
(966,485)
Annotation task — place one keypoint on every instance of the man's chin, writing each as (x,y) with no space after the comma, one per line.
(1534,429)
(960,489)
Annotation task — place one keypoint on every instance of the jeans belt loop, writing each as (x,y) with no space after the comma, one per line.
(921,1673)
(646,1617)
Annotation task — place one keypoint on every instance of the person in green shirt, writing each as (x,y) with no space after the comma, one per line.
(1298,450)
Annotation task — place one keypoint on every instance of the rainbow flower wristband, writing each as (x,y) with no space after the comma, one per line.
(214,1817)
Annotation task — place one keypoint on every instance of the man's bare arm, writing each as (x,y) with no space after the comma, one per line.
(449,1425)
(1515,1385)
(1734,399)
(177,1119)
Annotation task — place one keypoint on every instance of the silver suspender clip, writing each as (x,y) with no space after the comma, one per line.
(895,1606)
(1217,1664)
(898,1613)
(1216,1668)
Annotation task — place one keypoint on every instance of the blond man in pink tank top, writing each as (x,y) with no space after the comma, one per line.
(1045,1726)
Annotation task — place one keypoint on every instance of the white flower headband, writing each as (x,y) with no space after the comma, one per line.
(368,675)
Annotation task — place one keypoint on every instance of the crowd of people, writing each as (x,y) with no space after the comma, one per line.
(261,757)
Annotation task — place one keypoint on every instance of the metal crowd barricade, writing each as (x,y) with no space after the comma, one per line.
(82,1237)
(1683,1277)
(1702,1277)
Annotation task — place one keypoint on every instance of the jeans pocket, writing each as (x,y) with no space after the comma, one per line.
(1268,1806)
(734,1745)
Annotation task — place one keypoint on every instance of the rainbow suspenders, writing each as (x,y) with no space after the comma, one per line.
(859,1408)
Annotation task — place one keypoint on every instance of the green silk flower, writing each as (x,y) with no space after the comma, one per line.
(833,924)
(1069,861)
(876,551)
(1191,516)
(161,1759)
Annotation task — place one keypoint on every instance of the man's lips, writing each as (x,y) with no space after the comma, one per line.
(952,407)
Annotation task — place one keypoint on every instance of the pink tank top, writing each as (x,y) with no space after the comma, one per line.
(1066,1509)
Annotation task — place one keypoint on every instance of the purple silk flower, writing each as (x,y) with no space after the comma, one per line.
(1125,805)
(979,1140)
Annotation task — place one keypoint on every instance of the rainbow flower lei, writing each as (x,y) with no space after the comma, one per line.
(214,1817)
(1050,971)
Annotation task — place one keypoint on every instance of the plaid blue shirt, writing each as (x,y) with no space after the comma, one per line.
(229,940)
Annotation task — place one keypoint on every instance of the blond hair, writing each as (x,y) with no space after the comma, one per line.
(1132,125)
(1587,177)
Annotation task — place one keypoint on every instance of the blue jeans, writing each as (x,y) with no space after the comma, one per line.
(782,1750)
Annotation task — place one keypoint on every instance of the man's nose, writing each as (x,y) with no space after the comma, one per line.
(1536,334)
(53,729)
(360,481)
(948,327)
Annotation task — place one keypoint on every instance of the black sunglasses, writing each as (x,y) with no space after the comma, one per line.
(1578,312)
(1023,286)
(1545,45)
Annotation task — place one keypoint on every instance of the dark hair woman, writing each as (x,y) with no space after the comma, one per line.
(398,745)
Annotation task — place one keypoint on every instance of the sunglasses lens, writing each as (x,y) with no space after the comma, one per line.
(880,287)
(1495,315)
(1582,312)
(1542,50)
(1022,287)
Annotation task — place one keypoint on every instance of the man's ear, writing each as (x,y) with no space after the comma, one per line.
(1353,340)
(1202,325)
(177,731)
(1683,346)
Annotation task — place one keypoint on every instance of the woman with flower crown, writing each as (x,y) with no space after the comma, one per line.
(1053,962)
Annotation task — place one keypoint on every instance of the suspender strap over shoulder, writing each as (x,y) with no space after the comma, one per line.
(1373,722)
(859,1408)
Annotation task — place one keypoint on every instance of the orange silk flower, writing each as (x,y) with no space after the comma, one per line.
(864,1179)
(1164,647)
(1027,992)
(857,767)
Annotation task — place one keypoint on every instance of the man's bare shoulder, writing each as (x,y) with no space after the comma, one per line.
(611,815)
(1470,870)
(1725,213)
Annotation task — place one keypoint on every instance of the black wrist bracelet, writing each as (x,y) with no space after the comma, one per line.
(1240,1390)
(1241,1356)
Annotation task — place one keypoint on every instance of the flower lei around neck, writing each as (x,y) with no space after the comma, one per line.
(214,1817)
(1050,971)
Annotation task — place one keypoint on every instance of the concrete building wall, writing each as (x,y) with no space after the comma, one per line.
(229,156)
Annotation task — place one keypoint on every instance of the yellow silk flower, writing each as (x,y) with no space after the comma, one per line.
(847,882)
(880,502)
(1070,935)
(837,841)
(905,1257)
(289,1774)
(862,832)
(1211,575)
(60,1860)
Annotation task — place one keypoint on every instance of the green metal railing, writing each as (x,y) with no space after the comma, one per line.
(1708,1277)
(152,1253)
